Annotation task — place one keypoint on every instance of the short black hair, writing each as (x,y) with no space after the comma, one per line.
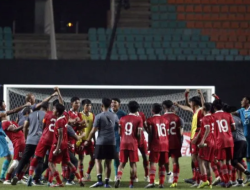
(156,108)
(106,102)
(208,106)
(73,99)
(167,103)
(45,105)
(55,102)
(196,100)
(60,108)
(133,106)
(86,101)
(247,97)
(227,108)
(26,111)
(1,103)
(218,104)
(117,100)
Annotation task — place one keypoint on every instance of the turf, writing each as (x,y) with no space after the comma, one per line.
(185,172)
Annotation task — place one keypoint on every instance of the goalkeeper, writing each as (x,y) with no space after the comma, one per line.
(88,117)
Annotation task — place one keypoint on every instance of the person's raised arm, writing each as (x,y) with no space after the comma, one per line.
(14,129)
(202,97)
(186,108)
(15,110)
(46,99)
(59,95)
(186,93)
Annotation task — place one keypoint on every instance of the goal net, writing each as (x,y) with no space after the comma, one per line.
(14,96)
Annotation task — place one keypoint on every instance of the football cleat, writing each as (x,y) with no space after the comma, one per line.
(117,183)
(169,177)
(7,182)
(203,184)
(150,185)
(29,181)
(173,185)
(97,184)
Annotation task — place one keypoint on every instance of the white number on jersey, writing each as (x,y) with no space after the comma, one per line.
(128,128)
(161,129)
(172,128)
(223,126)
(52,125)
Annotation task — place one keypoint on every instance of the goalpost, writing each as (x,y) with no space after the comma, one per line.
(14,96)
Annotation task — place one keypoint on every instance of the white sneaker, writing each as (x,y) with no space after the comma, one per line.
(169,177)
(7,182)
(136,180)
(216,181)
(195,185)
(239,185)
(234,183)
(87,177)
(69,183)
(146,178)
(115,178)
(22,181)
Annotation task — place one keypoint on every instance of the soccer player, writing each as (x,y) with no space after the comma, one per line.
(244,114)
(195,103)
(158,145)
(15,134)
(4,149)
(130,130)
(32,131)
(143,148)
(175,133)
(59,150)
(224,140)
(240,147)
(88,118)
(206,146)
(105,143)
(115,108)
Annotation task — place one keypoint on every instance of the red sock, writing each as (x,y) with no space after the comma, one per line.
(215,169)
(131,180)
(196,164)
(225,173)
(65,172)
(73,170)
(91,165)
(162,173)
(234,171)
(204,177)
(50,176)
(33,165)
(221,172)
(176,171)
(210,179)
(229,168)
(58,179)
(47,174)
(20,176)
(81,170)
(152,174)
(8,176)
(119,175)
(145,166)
(244,164)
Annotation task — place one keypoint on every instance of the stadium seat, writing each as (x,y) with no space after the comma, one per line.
(8,54)
(239,58)
(171,57)
(152,57)
(219,58)
(140,51)
(162,57)
(114,57)
(142,57)
(210,58)
(123,57)
(191,58)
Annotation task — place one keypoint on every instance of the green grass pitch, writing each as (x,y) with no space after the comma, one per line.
(185,172)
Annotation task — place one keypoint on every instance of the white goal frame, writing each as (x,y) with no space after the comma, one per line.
(128,87)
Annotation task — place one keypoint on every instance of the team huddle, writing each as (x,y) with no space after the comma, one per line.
(45,135)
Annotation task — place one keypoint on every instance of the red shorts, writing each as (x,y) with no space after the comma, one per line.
(174,153)
(18,151)
(62,157)
(158,157)
(194,149)
(224,153)
(42,149)
(143,148)
(87,150)
(131,154)
(206,153)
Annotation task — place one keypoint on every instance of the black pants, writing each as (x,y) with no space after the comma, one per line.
(74,161)
(28,153)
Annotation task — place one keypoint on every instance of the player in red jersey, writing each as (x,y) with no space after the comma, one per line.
(130,131)
(15,134)
(224,124)
(158,145)
(143,148)
(59,150)
(175,134)
(193,105)
(206,146)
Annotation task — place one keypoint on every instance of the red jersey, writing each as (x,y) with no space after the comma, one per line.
(72,141)
(208,121)
(222,128)
(16,138)
(158,141)
(129,126)
(174,130)
(61,123)
(142,139)
(48,130)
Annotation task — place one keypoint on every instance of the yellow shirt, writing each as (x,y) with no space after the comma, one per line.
(89,120)
(195,122)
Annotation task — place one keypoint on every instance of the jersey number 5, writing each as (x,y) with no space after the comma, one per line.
(128,128)
(161,129)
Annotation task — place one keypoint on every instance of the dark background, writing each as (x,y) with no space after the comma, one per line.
(231,79)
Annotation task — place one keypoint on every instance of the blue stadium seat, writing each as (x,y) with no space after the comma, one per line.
(219,58)
(131,51)
(200,58)
(247,58)
(171,57)
(140,51)
(229,58)
(152,57)
(101,31)
(92,31)
(133,57)
(93,56)
(181,57)
(114,57)
(191,58)
(142,57)
(157,44)
(123,57)
(159,51)
(239,58)
(210,58)
(162,57)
